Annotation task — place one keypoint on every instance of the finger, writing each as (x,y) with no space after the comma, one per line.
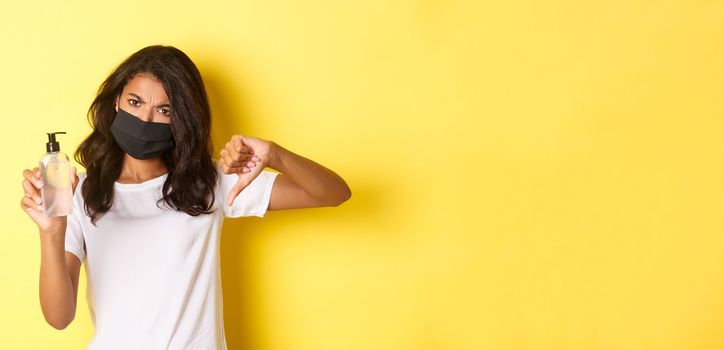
(225,168)
(38,174)
(238,145)
(235,192)
(229,152)
(239,169)
(239,164)
(74,173)
(222,161)
(230,155)
(29,205)
(240,157)
(232,147)
(31,192)
(223,157)
(30,176)
(234,154)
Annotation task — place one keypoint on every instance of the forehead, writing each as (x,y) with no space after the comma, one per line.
(147,87)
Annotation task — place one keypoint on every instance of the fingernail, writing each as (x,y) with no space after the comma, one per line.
(40,184)
(38,201)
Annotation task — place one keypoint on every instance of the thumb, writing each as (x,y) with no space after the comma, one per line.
(238,187)
(74,175)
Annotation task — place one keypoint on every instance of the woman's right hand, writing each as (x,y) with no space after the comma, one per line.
(32,202)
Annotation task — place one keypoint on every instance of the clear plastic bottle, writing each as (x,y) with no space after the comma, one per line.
(57,190)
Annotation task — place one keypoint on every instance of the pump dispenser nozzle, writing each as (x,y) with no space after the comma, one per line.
(57,190)
(52,145)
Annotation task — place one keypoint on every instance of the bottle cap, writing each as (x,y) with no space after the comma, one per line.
(52,145)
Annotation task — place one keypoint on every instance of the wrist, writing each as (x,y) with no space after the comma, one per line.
(52,236)
(54,230)
(275,155)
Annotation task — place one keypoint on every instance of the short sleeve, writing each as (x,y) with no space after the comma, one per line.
(253,199)
(74,242)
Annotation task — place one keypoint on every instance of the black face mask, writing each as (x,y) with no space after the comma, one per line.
(141,139)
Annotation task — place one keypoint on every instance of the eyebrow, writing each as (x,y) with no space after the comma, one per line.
(143,101)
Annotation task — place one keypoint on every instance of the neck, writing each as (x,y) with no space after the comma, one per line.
(137,171)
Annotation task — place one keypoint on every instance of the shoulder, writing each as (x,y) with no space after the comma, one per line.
(81,177)
(78,200)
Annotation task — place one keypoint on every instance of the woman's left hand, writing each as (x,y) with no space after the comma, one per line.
(246,156)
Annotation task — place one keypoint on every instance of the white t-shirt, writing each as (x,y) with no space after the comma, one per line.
(153,275)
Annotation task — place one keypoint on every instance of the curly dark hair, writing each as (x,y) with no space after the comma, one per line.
(189,162)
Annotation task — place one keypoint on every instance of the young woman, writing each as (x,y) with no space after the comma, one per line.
(148,211)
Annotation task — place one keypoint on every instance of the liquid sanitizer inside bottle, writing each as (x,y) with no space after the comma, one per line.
(57,190)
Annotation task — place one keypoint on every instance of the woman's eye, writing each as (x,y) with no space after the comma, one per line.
(165,112)
(133,102)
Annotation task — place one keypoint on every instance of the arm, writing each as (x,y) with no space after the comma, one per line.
(59,270)
(301,183)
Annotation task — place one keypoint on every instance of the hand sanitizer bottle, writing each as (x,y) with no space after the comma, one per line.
(57,190)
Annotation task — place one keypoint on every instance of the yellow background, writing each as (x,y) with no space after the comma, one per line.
(525,174)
